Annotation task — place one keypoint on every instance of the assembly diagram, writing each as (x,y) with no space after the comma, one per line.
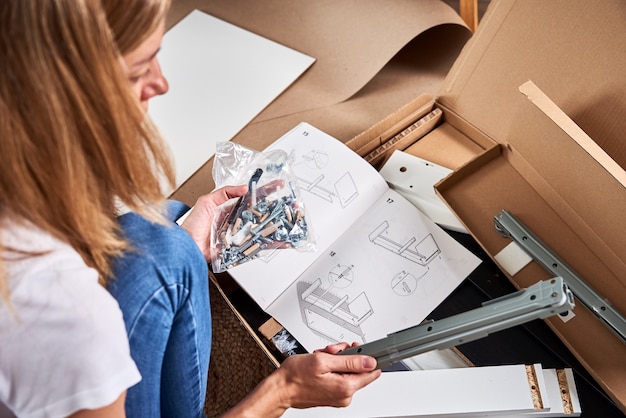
(405,283)
(331,315)
(342,190)
(315,159)
(421,252)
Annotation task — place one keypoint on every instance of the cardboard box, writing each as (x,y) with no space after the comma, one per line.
(509,154)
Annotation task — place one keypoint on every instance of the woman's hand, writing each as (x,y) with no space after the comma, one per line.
(321,378)
(325,379)
(198,222)
(202,215)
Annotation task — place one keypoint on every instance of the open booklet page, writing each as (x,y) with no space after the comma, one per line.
(380,264)
(337,187)
(387,273)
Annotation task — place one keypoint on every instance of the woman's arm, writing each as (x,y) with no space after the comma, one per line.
(307,380)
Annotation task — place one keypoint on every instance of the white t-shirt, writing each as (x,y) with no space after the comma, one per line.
(65,348)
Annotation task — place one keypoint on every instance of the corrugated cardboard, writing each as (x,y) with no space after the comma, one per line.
(508,154)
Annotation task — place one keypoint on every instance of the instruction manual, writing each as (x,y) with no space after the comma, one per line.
(380,265)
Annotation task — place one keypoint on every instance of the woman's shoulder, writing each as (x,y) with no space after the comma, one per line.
(21,239)
(44,273)
(34,257)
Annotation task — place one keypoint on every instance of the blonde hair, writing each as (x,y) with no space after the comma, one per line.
(132,22)
(73,137)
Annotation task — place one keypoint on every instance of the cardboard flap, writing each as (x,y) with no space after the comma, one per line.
(573,49)
(587,190)
(502,179)
(559,161)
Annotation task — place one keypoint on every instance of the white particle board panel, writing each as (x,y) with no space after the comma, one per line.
(463,392)
(220,77)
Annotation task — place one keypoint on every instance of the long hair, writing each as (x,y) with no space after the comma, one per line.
(73,137)
(132,21)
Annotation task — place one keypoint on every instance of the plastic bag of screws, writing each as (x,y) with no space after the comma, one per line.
(269,217)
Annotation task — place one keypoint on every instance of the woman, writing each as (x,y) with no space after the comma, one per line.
(104,313)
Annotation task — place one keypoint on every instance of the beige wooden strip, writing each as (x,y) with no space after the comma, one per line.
(566,398)
(533,384)
(468,9)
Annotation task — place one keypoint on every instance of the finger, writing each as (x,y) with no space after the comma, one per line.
(226,193)
(234,191)
(351,364)
(333,348)
(360,380)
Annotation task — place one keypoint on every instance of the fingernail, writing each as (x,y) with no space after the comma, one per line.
(369,362)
